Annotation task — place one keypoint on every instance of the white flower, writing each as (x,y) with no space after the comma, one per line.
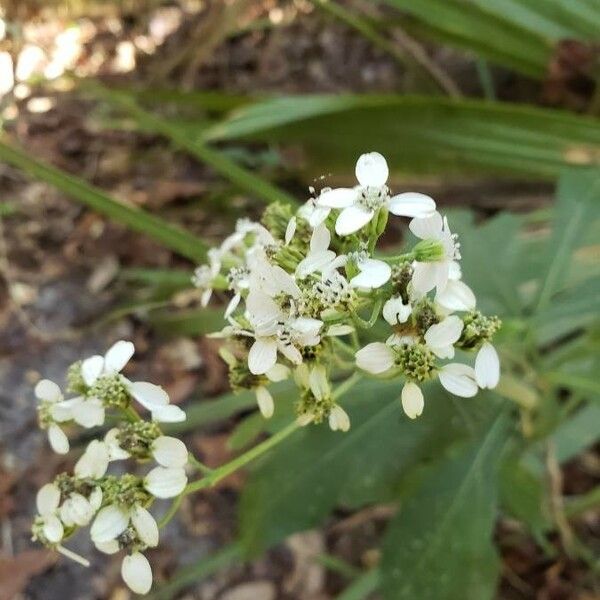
(165,482)
(111,363)
(290,230)
(274,331)
(373,273)
(204,275)
(487,366)
(427,275)
(375,358)
(137,573)
(79,510)
(339,419)
(319,258)
(94,461)
(50,395)
(395,311)
(458,379)
(441,337)
(169,452)
(456,295)
(264,398)
(270,279)
(360,204)
(47,502)
(412,400)
(313,213)
(112,520)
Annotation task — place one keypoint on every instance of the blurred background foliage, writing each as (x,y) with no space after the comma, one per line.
(474,96)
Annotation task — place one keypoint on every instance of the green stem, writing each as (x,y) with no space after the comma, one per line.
(171,512)
(220,473)
(406,257)
(200,466)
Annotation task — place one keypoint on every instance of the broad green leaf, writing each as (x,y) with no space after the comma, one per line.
(577,433)
(519,34)
(522,493)
(420,133)
(439,546)
(298,484)
(169,235)
(576,210)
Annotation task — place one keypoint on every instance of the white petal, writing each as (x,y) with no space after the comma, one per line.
(263,310)
(339,419)
(169,451)
(168,414)
(265,402)
(95,498)
(165,483)
(80,511)
(395,311)
(291,352)
(426,276)
(262,355)
(47,499)
(89,413)
(307,325)
(372,170)
(284,282)
(290,230)
(94,461)
(148,394)
(351,219)
(314,262)
(109,523)
(459,380)
(339,330)
(412,204)
(445,333)
(319,240)
(375,358)
(115,451)
(427,228)
(58,440)
(337,198)
(233,304)
(145,525)
(374,274)
(278,373)
(63,411)
(48,391)
(110,547)
(457,295)
(487,367)
(118,356)
(53,529)
(91,368)
(318,382)
(318,215)
(137,573)
(412,400)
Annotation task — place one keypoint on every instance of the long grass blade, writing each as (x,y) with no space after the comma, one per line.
(171,236)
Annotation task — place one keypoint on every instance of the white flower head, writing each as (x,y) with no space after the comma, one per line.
(436,272)
(319,258)
(360,204)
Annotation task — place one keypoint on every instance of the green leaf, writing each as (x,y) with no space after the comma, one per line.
(362,587)
(420,133)
(171,236)
(297,485)
(579,432)
(576,210)
(519,34)
(439,546)
(189,322)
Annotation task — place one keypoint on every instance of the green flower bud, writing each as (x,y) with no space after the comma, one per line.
(429,251)
(75,382)
(111,390)
(416,361)
(477,329)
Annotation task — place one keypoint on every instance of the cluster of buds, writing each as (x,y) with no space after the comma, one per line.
(301,279)
(116,506)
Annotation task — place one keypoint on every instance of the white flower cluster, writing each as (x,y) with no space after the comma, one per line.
(301,280)
(115,506)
